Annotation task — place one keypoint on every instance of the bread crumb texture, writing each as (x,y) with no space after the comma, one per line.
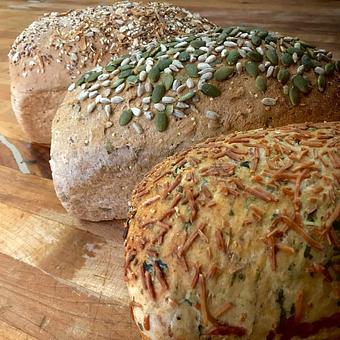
(238,237)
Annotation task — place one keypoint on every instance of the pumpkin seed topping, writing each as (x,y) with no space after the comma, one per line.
(157,93)
(224,73)
(210,90)
(261,83)
(125,117)
(161,121)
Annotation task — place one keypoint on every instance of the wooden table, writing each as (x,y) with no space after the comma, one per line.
(61,278)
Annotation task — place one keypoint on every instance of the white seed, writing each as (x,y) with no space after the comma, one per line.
(159,107)
(167,70)
(91,107)
(176,85)
(181,44)
(239,68)
(168,100)
(204,49)
(267,64)
(93,94)
(319,70)
(137,127)
(114,73)
(104,101)
(120,88)
(146,100)
(94,87)
(148,68)
(212,115)
(177,63)
(190,49)
(206,76)
(71,87)
(117,99)
(103,77)
(268,101)
(182,105)
(178,114)
(146,107)
(200,84)
(210,59)
(206,70)
(164,56)
(295,57)
(202,58)
(106,93)
(229,44)
(106,83)
(260,50)
(224,53)
(140,89)
(173,68)
(107,109)
(190,83)
(108,124)
(202,66)
(140,61)
(148,87)
(125,62)
(98,98)
(148,115)
(142,75)
(73,56)
(136,111)
(163,47)
(219,48)
(247,49)
(270,71)
(300,69)
(181,88)
(242,52)
(83,95)
(262,68)
(247,43)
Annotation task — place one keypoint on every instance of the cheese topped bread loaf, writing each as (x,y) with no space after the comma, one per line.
(121,120)
(238,238)
(54,50)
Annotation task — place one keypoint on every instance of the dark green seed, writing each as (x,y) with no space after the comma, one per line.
(256,40)
(154,74)
(132,80)
(306,62)
(125,74)
(187,96)
(233,57)
(161,121)
(301,83)
(158,93)
(168,79)
(316,63)
(191,70)
(283,76)
(117,82)
(329,69)
(125,67)
(210,90)
(294,95)
(298,51)
(234,32)
(311,53)
(272,56)
(92,76)
(224,72)
(125,117)
(262,34)
(110,68)
(140,68)
(163,64)
(337,65)
(220,39)
(117,61)
(286,59)
(251,68)
(322,83)
(255,56)
(197,53)
(305,44)
(197,43)
(261,83)
(270,38)
(184,56)
(81,80)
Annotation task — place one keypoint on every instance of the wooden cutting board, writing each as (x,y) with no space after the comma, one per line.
(61,278)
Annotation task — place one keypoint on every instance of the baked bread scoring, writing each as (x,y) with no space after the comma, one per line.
(121,120)
(55,49)
(239,237)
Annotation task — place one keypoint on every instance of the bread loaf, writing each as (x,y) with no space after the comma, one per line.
(54,50)
(238,237)
(107,134)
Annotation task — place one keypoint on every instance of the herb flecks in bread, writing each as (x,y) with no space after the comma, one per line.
(169,78)
(239,236)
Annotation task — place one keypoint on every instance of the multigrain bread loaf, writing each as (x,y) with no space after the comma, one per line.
(52,52)
(145,106)
(238,237)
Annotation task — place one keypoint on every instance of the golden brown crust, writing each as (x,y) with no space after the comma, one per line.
(245,233)
(55,49)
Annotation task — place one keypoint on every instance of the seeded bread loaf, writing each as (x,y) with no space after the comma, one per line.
(145,106)
(54,50)
(238,237)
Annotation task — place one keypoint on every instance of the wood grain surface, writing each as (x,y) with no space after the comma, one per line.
(61,278)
